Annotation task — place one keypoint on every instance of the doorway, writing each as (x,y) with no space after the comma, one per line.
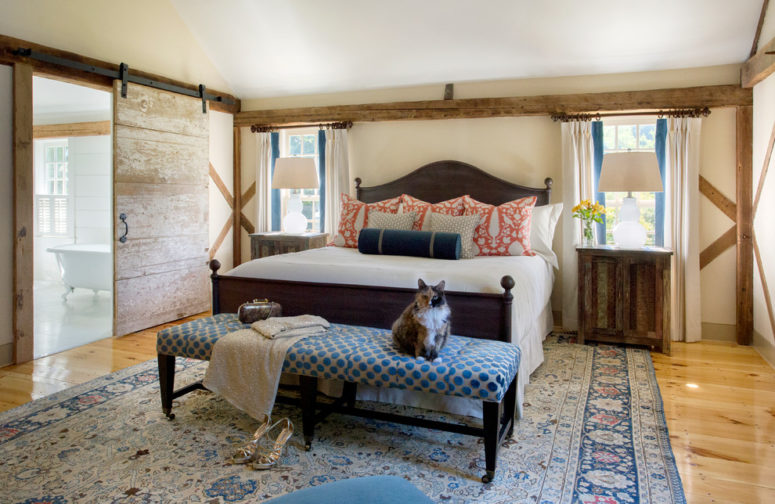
(73,256)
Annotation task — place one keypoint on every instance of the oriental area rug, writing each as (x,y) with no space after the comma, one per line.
(593,432)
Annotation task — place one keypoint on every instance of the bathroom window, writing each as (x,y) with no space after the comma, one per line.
(53,210)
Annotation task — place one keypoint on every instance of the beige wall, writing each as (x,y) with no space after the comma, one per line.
(221,158)
(525,150)
(6,215)
(148,35)
(763,123)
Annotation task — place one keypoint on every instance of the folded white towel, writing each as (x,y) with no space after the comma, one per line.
(279,327)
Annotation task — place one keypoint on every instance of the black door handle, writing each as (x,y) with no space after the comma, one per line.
(126,228)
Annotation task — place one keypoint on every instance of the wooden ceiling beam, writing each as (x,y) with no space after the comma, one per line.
(9,44)
(658,99)
(759,66)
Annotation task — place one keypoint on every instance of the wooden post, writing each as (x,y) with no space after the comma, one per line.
(237,228)
(744,225)
(23,197)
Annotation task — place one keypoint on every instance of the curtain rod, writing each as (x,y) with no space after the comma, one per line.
(693,112)
(264,128)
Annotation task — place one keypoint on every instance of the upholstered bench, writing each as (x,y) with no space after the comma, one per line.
(473,368)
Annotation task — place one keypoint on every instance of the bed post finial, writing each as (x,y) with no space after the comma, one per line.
(358,182)
(548,182)
(507,282)
(215,265)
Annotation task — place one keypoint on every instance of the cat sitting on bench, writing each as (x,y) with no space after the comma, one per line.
(423,327)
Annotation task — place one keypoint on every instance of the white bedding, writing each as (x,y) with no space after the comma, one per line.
(531,312)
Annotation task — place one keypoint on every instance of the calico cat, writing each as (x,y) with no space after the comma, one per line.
(423,327)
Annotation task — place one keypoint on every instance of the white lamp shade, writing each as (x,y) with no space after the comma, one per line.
(295,173)
(630,171)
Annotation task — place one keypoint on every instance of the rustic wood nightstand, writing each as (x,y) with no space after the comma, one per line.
(624,295)
(268,244)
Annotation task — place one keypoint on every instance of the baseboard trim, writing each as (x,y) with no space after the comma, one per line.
(6,354)
(765,348)
(719,332)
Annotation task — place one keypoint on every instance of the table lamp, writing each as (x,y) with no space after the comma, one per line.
(630,171)
(295,173)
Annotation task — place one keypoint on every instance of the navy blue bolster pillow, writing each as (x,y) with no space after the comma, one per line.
(409,243)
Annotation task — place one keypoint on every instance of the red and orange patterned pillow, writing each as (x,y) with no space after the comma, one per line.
(354,216)
(502,230)
(423,209)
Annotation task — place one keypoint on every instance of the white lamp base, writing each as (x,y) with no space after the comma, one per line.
(294,221)
(629,233)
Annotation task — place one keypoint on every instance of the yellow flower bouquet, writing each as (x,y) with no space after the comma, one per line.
(589,213)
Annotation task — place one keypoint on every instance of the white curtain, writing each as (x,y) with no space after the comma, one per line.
(263,182)
(337,176)
(577,159)
(682,205)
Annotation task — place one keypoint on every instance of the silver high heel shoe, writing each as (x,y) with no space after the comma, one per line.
(264,457)
(245,453)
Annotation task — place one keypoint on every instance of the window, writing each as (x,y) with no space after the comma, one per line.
(52,199)
(622,135)
(303,143)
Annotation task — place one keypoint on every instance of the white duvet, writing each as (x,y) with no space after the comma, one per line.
(531,309)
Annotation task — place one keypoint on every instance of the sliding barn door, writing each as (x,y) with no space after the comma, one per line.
(160,178)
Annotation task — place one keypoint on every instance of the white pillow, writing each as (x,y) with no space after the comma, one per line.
(542,231)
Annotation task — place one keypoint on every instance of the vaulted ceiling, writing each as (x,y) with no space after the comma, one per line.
(293,47)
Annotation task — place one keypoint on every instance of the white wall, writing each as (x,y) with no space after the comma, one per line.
(92,165)
(6,215)
(222,160)
(525,150)
(148,35)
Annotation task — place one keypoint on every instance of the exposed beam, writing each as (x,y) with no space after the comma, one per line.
(94,128)
(744,275)
(719,200)
(718,247)
(763,173)
(10,44)
(248,195)
(759,66)
(765,287)
(221,186)
(758,34)
(23,197)
(247,224)
(705,96)
(221,236)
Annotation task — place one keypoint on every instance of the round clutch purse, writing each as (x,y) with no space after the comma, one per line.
(258,309)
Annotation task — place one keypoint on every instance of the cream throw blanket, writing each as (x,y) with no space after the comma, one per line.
(245,365)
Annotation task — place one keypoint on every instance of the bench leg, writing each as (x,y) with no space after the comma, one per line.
(166,383)
(491,414)
(309,392)
(349,392)
(510,406)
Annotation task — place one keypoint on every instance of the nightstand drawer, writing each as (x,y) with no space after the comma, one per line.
(268,244)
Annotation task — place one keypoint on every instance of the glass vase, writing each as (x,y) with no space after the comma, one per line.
(587,235)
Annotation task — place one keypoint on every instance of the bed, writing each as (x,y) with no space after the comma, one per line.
(502,298)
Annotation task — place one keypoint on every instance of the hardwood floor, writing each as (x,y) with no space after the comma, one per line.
(719,402)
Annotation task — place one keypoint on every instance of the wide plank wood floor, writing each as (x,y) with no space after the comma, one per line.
(719,402)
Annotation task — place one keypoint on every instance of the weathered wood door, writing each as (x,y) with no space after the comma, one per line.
(160,178)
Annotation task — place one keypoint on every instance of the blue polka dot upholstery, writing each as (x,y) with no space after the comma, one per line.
(481,369)
(469,367)
(195,339)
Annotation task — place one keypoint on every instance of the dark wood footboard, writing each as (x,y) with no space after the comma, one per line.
(477,315)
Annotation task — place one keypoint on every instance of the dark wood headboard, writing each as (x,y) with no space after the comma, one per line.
(443,180)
